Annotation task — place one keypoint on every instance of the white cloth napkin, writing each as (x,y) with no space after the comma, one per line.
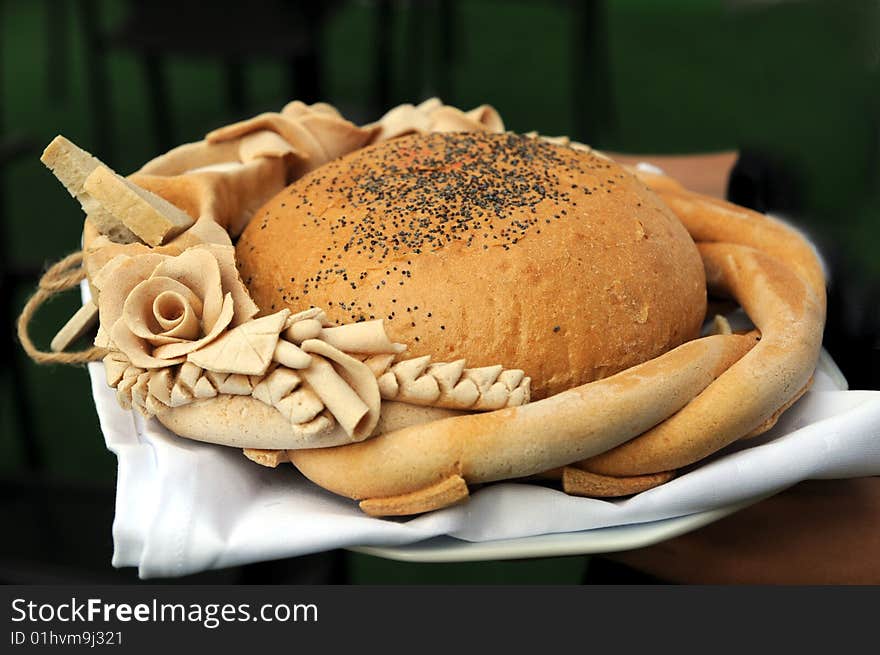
(183,506)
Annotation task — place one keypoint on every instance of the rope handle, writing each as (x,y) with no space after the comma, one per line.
(61,276)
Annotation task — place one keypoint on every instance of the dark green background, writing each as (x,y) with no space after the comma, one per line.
(798,79)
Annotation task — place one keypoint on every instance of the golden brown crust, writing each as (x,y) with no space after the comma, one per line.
(492,248)
(711,220)
(446,492)
(770,422)
(577,482)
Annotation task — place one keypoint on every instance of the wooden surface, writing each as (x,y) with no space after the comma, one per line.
(705,173)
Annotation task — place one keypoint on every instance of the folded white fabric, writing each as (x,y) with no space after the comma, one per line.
(184,506)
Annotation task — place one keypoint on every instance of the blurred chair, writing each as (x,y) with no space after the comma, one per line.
(14,147)
(228,31)
(58,48)
(428,23)
(14,275)
(592,90)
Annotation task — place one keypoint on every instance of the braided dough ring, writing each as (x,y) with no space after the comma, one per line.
(685,404)
(519,441)
(776,277)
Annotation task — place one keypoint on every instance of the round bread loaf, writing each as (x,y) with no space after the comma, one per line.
(495,248)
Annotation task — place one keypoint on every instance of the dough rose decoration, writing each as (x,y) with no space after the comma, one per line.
(405,309)
(160,309)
